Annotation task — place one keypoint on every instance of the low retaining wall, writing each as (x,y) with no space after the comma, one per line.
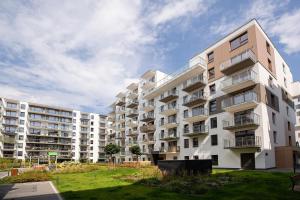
(188,167)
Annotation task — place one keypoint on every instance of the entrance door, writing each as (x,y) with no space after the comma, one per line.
(247,160)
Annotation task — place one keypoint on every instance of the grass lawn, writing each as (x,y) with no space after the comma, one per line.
(112,184)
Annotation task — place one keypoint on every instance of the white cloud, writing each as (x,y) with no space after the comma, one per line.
(78,53)
(176,9)
(273,17)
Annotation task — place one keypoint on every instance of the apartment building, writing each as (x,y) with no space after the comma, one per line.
(35,131)
(232,104)
(296,97)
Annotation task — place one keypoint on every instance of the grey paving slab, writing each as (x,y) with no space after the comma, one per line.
(30,191)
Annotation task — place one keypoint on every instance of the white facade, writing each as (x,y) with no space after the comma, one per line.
(30,130)
(296,96)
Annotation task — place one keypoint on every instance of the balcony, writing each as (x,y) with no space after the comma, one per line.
(147,84)
(171,136)
(171,95)
(11,114)
(196,115)
(120,110)
(131,124)
(240,102)
(242,122)
(148,128)
(194,83)
(243,143)
(132,113)
(132,133)
(197,130)
(131,143)
(168,124)
(10,122)
(120,137)
(148,117)
(195,99)
(170,149)
(238,62)
(132,95)
(239,81)
(132,104)
(169,109)
(120,102)
(148,106)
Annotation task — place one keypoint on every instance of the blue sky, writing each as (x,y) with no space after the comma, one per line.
(79,54)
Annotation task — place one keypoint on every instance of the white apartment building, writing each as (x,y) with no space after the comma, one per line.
(296,97)
(232,104)
(33,131)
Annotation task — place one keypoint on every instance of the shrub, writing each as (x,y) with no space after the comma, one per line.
(76,168)
(28,176)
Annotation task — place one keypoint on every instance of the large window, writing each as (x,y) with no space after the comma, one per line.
(239,41)
(211,73)
(214,140)
(213,106)
(210,57)
(186,143)
(214,122)
(195,142)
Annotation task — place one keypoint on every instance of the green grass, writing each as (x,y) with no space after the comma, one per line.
(120,183)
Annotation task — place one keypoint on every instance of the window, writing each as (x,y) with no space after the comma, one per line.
(215,159)
(275,137)
(23,106)
(20,153)
(196,157)
(268,48)
(74,134)
(21,137)
(186,128)
(20,145)
(22,114)
(185,113)
(186,157)
(273,100)
(186,143)
(210,57)
(74,114)
(214,140)
(270,81)
(92,123)
(92,135)
(74,127)
(214,122)
(195,142)
(92,116)
(22,122)
(92,129)
(289,126)
(212,89)
(273,118)
(287,111)
(211,73)
(290,140)
(239,41)
(285,83)
(212,106)
(21,129)
(283,68)
(270,65)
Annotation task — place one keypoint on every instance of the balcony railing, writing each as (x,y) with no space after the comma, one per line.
(169,136)
(147,117)
(239,78)
(170,149)
(238,62)
(170,95)
(242,121)
(132,113)
(243,142)
(194,99)
(169,109)
(239,99)
(147,128)
(120,102)
(132,104)
(194,83)
(196,130)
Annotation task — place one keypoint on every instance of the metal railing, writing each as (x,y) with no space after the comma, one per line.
(169,93)
(242,120)
(237,59)
(196,79)
(243,142)
(193,97)
(239,99)
(239,78)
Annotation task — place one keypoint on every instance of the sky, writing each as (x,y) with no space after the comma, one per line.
(80,53)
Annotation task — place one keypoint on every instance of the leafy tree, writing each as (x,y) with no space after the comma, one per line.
(136,150)
(111,149)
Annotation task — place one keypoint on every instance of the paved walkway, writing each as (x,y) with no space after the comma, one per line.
(30,191)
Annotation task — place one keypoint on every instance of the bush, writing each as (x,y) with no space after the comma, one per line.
(7,163)
(28,176)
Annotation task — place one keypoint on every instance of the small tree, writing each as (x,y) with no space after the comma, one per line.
(111,149)
(136,150)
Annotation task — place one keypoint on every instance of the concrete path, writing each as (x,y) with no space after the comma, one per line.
(30,191)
